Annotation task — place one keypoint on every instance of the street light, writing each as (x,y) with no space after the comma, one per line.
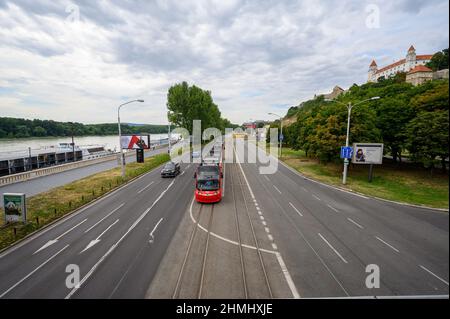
(122,157)
(281,132)
(349,109)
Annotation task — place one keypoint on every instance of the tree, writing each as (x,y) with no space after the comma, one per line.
(187,103)
(439,61)
(39,131)
(428,138)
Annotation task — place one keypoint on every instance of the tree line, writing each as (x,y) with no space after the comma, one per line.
(186,103)
(22,128)
(412,120)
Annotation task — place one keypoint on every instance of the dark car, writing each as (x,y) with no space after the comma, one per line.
(171,169)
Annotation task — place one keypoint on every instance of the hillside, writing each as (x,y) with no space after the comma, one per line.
(407,119)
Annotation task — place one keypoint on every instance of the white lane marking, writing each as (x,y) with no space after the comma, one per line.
(145,187)
(266,178)
(66,218)
(283,267)
(262,217)
(259,212)
(267,229)
(352,221)
(335,251)
(264,223)
(152,237)
(31,273)
(431,273)
(298,212)
(288,277)
(257,208)
(182,173)
(316,197)
(270,237)
(51,242)
(276,189)
(97,240)
(389,245)
(113,247)
(333,208)
(112,212)
(274,246)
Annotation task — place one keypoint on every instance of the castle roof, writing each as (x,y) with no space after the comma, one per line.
(373,63)
(411,48)
(420,68)
(393,65)
(424,57)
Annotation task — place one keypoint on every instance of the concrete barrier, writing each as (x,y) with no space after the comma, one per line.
(24,176)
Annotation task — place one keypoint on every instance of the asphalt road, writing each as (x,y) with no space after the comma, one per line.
(44,183)
(322,238)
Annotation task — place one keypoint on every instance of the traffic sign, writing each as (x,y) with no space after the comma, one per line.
(281,137)
(346,152)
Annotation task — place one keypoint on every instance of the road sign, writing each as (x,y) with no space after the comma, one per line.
(367,153)
(281,137)
(15,208)
(346,152)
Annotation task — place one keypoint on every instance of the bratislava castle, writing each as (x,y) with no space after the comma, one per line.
(404,65)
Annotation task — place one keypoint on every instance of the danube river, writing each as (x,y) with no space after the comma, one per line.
(22,144)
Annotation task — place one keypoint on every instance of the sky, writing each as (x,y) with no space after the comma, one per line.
(78,60)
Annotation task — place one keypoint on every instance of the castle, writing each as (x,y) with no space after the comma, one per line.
(404,65)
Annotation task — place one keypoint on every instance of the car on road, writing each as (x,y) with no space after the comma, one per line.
(171,169)
(196,154)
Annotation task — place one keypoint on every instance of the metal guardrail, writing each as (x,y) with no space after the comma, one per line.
(25,176)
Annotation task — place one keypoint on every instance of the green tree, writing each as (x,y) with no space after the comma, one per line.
(439,61)
(187,103)
(39,131)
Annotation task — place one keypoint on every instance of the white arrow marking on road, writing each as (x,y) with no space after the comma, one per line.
(90,272)
(97,240)
(151,234)
(51,242)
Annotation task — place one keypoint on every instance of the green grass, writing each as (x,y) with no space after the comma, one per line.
(46,207)
(404,183)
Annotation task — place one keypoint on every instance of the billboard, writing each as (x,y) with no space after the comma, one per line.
(15,209)
(135,141)
(367,153)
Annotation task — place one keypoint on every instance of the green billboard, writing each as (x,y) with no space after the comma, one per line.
(15,208)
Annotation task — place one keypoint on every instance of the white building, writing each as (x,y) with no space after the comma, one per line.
(404,65)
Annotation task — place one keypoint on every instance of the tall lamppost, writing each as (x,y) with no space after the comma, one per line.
(349,106)
(281,132)
(122,156)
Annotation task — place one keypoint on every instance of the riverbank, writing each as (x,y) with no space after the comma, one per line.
(402,183)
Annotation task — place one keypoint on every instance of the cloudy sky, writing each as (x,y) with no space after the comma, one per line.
(77,60)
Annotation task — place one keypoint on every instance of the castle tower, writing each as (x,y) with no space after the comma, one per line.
(410,59)
(373,68)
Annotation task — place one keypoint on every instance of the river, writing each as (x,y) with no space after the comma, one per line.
(11,145)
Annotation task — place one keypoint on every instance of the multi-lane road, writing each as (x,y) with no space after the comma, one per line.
(277,235)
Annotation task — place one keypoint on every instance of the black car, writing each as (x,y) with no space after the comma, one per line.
(171,169)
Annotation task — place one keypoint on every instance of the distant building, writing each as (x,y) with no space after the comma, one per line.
(337,90)
(404,65)
(419,75)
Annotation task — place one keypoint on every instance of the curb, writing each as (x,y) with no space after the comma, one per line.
(352,192)
(73,213)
